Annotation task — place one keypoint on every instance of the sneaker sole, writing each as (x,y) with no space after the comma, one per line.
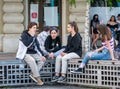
(54,80)
(61,81)
(40,84)
(76,72)
(33,78)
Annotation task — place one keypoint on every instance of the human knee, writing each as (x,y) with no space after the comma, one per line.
(88,54)
(32,60)
(41,62)
(64,59)
(58,58)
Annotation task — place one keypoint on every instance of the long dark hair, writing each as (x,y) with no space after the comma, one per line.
(111,18)
(74,24)
(105,32)
(94,19)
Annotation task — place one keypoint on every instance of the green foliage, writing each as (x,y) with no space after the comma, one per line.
(109,2)
(90,1)
(72,2)
(118,0)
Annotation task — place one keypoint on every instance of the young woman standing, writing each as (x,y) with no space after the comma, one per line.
(113,25)
(94,33)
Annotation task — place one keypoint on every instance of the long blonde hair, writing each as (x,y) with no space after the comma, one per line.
(105,32)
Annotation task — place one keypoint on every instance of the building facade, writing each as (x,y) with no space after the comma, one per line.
(15,15)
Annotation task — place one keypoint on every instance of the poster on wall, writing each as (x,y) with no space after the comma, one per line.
(34,13)
(51,16)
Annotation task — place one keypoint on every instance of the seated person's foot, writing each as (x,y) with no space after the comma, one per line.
(91,48)
(62,79)
(33,78)
(55,79)
(39,81)
(94,47)
(79,70)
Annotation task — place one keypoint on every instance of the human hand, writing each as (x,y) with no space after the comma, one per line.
(115,29)
(51,55)
(63,54)
(32,33)
(90,54)
(114,59)
(43,59)
(96,51)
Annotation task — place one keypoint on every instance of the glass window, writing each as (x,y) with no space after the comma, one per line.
(51,12)
(46,13)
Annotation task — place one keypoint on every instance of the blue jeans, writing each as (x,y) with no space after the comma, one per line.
(59,52)
(104,55)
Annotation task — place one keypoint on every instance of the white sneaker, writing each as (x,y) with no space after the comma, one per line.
(33,78)
(39,81)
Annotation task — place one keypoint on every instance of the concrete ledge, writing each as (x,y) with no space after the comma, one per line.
(16,73)
(97,73)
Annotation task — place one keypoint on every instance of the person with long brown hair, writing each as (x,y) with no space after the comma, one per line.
(72,50)
(107,49)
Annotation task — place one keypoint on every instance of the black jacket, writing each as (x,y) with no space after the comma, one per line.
(27,39)
(74,44)
(52,45)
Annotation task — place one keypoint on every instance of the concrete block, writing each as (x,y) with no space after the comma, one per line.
(80,7)
(97,73)
(76,17)
(10,42)
(16,73)
(13,28)
(1,42)
(1,16)
(13,7)
(13,18)
(12,0)
(81,27)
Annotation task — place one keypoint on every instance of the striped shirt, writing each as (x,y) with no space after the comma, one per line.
(111,44)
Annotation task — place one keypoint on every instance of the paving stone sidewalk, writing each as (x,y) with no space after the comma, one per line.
(47,87)
(58,86)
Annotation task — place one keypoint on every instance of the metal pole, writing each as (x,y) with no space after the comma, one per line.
(26,13)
